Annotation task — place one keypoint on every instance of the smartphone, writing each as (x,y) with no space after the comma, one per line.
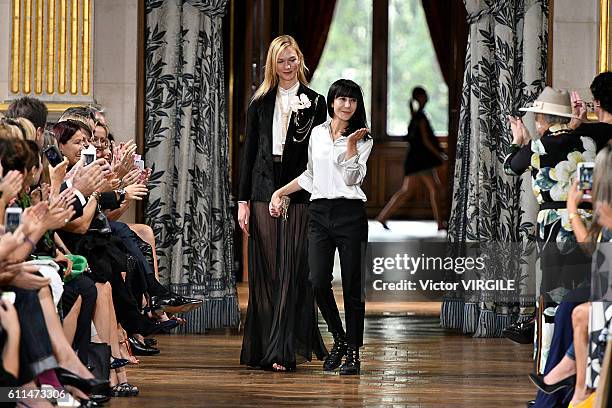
(584,174)
(8,297)
(12,218)
(139,164)
(89,155)
(53,155)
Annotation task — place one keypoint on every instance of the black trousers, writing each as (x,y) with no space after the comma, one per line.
(341,224)
(35,351)
(84,287)
(130,240)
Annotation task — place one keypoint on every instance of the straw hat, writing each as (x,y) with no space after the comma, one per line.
(552,102)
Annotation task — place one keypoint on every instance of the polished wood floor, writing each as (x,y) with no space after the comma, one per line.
(407,361)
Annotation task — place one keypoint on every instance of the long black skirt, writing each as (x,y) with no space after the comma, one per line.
(281,322)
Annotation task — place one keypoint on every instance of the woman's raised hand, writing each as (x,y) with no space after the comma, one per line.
(11,185)
(579,110)
(357,135)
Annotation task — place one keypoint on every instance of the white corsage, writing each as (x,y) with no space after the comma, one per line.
(297,103)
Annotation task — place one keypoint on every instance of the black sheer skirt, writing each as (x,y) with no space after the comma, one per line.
(281,322)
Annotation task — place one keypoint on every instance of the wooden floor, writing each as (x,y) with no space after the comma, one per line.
(407,361)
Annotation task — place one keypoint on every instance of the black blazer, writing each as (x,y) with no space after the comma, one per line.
(257,172)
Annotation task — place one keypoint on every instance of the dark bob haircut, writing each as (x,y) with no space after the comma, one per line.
(349,89)
(63,131)
(601,88)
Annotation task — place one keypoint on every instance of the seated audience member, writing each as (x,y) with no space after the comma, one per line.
(572,369)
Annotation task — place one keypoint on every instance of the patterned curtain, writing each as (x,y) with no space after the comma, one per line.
(505,69)
(186,144)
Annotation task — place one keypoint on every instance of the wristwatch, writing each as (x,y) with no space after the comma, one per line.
(572,215)
(121,193)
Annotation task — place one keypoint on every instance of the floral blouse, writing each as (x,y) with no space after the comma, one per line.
(553,160)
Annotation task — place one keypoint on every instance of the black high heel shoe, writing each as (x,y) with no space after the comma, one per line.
(140,349)
(538,381)
(88,386)
(118,362)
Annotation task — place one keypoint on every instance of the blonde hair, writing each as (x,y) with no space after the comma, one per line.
(602,186)
(28,127)
(277,46)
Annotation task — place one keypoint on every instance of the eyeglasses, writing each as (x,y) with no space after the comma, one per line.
(99,144)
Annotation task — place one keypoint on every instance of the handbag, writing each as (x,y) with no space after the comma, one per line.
(285,201)
(79,265)
(98,359)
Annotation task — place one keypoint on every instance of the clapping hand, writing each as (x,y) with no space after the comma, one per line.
(26,276)
(135,192)
(131,178)
(123,158)
(57,173)
(579,110)
(11,185)
(9,242)
(520,134)
(145,175)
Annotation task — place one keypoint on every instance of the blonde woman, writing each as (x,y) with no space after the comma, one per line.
(281,319)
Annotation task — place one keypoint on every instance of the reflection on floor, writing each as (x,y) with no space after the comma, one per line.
(408,361)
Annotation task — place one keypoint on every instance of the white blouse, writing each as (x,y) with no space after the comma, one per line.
(282,107)
(328,175)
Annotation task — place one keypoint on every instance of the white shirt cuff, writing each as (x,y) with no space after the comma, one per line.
(348,163)
(77,193)
(305,182)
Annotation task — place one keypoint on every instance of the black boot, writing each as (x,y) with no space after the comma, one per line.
(352,364)
(334,359)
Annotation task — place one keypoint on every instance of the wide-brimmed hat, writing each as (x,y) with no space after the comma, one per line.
(552,102)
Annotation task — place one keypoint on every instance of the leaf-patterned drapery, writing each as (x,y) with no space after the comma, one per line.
(186,144)
(505,69)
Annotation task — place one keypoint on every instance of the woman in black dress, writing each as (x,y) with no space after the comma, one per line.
(281,319)
(423,156)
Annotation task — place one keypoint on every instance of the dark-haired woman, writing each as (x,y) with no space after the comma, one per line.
(281,320)
(599,131)
(90,235)
(423,156)
(337,155)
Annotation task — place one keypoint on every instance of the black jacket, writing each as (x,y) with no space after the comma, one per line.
(257,172)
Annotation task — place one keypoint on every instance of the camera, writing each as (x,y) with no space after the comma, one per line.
(8,297)
(584,174)
(89,155)
(53,155)
(12,218)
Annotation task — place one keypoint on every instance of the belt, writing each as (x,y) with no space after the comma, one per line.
(277,158)
(558,205)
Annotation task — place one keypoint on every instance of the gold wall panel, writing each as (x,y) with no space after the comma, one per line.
(51,49)
(605,47)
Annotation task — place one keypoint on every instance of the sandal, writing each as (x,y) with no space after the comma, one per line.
(289,368)
(131,358)
(124,390)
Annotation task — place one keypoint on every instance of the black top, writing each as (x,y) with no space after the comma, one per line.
(600,133)
(257,168)
(419,157)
